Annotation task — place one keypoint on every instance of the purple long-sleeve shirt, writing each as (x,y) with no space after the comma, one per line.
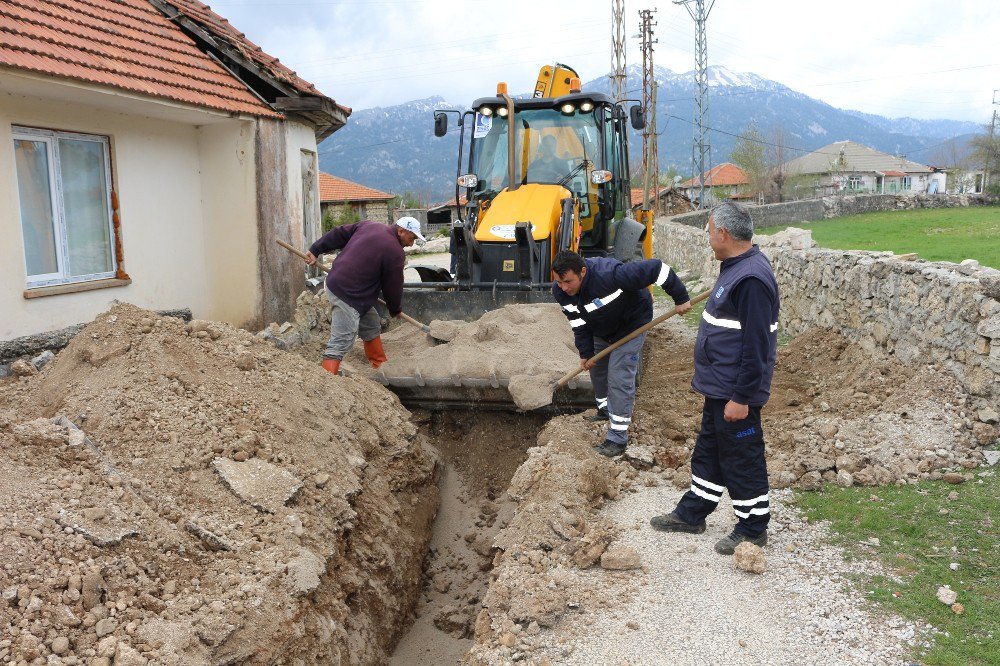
(371,259)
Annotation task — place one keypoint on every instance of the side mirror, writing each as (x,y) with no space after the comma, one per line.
(635,115)
(441,124)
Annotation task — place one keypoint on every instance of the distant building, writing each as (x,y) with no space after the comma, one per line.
(852,168)
(725,181)
(669,201)
(338,195)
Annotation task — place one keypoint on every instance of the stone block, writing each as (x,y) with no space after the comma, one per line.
(260,484)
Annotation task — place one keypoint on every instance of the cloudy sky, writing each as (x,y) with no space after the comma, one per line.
(919,58)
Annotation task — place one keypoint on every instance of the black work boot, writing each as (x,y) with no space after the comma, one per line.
(671,522)
(600,415)
(727,544)
(611,449)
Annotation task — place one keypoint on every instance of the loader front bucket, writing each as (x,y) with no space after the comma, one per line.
(481,393)
(464,389)
(447,302)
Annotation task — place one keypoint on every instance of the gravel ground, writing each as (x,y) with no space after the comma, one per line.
(690,605)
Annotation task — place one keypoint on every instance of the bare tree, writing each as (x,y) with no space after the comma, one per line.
(955,161)
(748,154)
(778,154)
(985,149)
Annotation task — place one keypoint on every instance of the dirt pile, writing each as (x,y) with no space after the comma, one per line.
(186,493)
(509,341)
(554,534)
(836,414)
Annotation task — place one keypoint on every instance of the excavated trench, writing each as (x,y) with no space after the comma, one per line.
(478,455)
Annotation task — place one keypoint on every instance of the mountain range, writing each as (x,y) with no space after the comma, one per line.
(394,149)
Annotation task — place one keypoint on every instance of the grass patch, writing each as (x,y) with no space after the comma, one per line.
(935,234)
(691,317)
(918,544)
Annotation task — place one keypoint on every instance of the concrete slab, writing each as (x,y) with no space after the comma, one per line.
(260,484)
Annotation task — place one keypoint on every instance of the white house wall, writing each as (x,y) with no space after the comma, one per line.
(187,209)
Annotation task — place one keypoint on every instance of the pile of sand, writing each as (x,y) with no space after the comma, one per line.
(836,414)
(528,347)
(205,498)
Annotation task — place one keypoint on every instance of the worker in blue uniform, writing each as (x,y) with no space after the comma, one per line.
(733,364)
(605,300)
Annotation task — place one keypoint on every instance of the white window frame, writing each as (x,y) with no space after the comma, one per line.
(906,183)
(50,138)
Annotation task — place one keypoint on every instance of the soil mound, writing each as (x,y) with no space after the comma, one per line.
(513,340)
(188,494)
(834,408)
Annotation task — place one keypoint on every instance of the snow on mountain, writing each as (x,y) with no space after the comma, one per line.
(393,148)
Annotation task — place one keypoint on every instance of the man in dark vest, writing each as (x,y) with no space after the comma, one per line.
(605,300)
(734,360)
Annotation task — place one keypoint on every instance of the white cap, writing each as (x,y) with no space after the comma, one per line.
(412,225)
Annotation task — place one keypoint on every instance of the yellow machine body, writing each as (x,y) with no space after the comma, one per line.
(554,80)
(539,204)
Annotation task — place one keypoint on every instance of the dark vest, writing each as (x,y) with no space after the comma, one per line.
(611,313)
(720,336)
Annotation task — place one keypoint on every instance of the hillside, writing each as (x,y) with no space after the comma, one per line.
(394,148)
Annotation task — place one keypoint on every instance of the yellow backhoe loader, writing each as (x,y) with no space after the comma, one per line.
(540,175)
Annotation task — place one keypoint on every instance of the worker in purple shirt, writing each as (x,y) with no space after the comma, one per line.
(371,260)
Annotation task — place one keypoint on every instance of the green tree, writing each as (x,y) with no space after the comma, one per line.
(339,217)
(748,154)
(407,200)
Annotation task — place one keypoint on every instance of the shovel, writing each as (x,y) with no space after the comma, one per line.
(532,391)
(405,317)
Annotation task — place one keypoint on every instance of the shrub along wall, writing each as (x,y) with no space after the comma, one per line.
(922,312)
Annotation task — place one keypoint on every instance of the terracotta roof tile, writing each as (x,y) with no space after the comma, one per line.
(333,189)
(131,45)
(723,174)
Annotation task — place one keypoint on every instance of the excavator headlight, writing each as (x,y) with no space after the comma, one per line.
(468,180)
(502,111)
(567,108)
(599,177)
(485,110)
(587,106)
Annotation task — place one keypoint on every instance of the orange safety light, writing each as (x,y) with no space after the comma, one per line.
(575,85)
(501,88)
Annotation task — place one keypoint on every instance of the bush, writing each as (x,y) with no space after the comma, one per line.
(346,215)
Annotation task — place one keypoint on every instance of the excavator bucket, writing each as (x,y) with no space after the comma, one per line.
(452,304)
(483,351)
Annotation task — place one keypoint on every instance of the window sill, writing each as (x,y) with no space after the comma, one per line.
(76,287)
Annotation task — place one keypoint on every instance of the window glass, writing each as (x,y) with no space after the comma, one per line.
(34,189)
(85,206)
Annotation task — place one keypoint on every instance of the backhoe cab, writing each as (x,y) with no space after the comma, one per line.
(540,175)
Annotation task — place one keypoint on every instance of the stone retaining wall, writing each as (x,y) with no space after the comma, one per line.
(793,212)
(921,312)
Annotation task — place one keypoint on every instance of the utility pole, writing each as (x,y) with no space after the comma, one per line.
(650,164)
(700,146)
(990,151)
(618,77)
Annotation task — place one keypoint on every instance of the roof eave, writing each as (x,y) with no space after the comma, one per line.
(322,112)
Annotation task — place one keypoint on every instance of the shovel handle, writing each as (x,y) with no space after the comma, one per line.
(405,317)
(628,338)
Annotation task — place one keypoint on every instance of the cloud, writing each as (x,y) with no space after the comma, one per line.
(885,58)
